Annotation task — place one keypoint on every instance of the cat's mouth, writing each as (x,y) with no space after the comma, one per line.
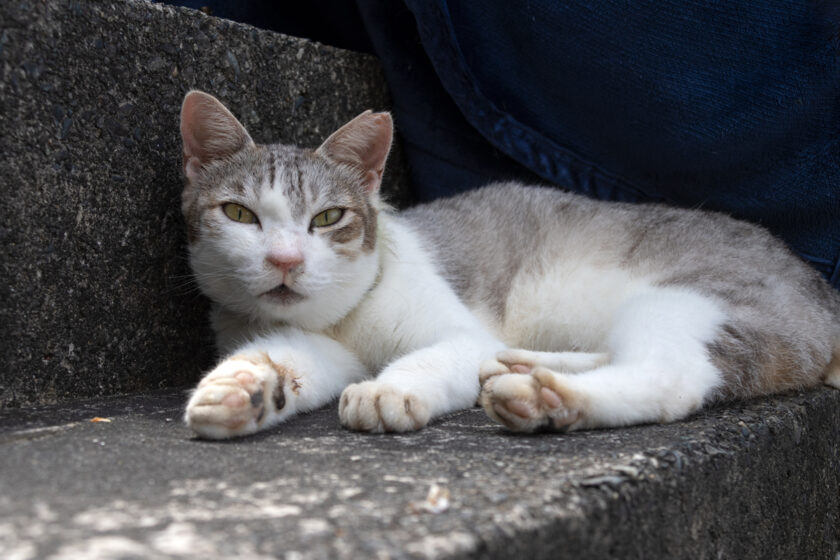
(283,294)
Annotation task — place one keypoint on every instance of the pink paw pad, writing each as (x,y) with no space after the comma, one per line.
(519,408)
(234,400)
(550,398)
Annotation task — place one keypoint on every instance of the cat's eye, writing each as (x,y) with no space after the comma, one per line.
(328,217)
(239,213)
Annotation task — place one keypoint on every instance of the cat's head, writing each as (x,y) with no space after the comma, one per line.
(276,232)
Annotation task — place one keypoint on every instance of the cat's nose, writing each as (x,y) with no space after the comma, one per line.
(285,259)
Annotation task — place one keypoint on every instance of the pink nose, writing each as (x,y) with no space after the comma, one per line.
(285,259)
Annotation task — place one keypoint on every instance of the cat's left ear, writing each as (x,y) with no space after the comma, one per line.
(209,132)
(362,143)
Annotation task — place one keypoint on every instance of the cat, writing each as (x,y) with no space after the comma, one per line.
(555,311)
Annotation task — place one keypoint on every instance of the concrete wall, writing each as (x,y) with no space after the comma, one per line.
(95,293)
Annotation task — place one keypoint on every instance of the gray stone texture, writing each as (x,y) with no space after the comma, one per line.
(752,481)
(95,300)
(95,294)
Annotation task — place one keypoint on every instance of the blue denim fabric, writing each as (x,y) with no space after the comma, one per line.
(731,105)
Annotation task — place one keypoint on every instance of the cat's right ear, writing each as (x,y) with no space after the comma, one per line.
(209,132)
(362,143)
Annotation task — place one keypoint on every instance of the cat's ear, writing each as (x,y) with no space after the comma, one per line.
(362,143)
(209,132)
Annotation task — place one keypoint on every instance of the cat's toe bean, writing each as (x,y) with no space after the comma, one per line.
(563,406)
(235,400)
(550,398)
(523,409)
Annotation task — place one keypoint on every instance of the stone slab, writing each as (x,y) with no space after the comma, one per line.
(756,480)
(95,294)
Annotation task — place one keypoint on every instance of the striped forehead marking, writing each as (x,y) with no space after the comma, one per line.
(272,169)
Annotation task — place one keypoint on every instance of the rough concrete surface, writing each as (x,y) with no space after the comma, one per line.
(95,300)
(95,295)
(757,480)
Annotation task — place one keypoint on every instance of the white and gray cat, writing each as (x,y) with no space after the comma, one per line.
(621,314)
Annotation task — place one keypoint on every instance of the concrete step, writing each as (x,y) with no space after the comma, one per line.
(757,480)
(96,300)
(95,294)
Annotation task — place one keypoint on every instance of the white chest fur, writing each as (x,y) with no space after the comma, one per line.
(410,306)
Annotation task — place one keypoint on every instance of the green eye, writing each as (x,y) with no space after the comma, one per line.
(239,213)
(328,217)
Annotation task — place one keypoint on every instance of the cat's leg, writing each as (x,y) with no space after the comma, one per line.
(268,380)
(525,361)
(660,371)
(419,386)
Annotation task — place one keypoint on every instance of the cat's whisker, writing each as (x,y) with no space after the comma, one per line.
(183,285)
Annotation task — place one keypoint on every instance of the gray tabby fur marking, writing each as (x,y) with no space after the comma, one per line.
(785,319)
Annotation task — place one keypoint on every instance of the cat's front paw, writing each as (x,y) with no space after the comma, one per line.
(241,396)
(529,402)
(376,407)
